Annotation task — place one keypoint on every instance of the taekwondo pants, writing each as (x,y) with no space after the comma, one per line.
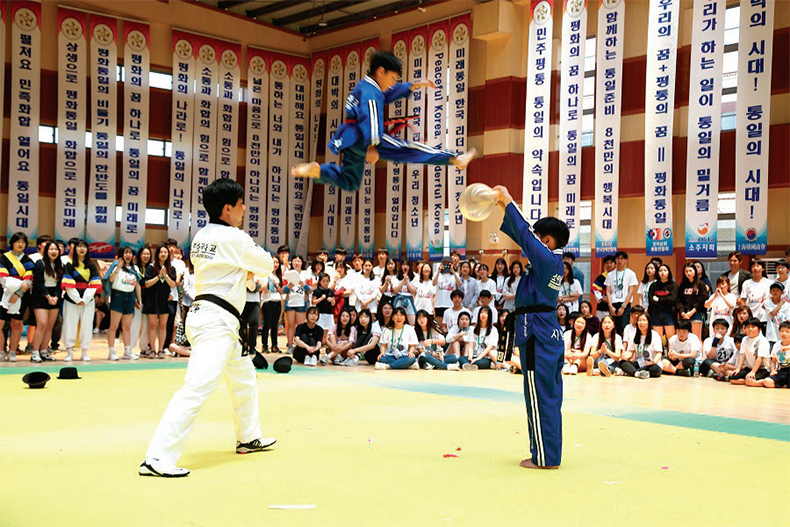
(541,364)
(78,318)
(214,334)
(348,175)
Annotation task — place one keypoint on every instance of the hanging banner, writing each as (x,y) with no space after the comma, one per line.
(704,128)
(414,175)
(204,128)
(135,134)
(460,29)
(334,116)
(608,108)
(437,135)
(279,112)
(753,118)
(257,140)
(228,109)
(574,35)
(2,71)
(104,127)
(72,115)
(396,171)
(181,135)
(317,70)
(25,115)
(367,191)
(348,199)
(536,122)
(662,43)
(297,148)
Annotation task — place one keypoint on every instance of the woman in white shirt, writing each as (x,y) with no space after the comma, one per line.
(124,298)
(721,303)
(404,290)
(499,276)
(481,351)
(296,300)
(367,288)
(606,350)
(643,358)
(446,281)
(570,289)
(388,278)
(756,291)
(577,347)
(424,290)
(398,349)
(511,285)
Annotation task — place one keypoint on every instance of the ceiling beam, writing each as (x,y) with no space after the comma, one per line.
(274,7)
(314,11)
(362,15)
(227,4)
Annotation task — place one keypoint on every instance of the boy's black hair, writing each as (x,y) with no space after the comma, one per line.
(386,60)
(683,324)
(569,255)
(777,285)
(340,250)
(219,193)
(73,241)
(456,293)
(721,322)
(637,310)
(322,276)
(16,237)
(754,321)
(785,325)
(485,293)
(283,249)
(738,338)
(608,258)
(44,238)
(554,227)
(618,254)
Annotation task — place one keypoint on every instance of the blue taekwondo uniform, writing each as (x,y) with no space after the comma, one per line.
(364,126)
(539,338)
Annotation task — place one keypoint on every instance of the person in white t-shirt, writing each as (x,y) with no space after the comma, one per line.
(570,289)
(425,290)
(719,350)
(630,330)
(683,350)
(754,358)
(777,311)
(721,303)
(606,350)
(459,335)
(783,278)
(382,256)
(486,299)
(643,357)
(621,288)
(367,291)
(577,347)
(450,319)
(446,281)
(756,291)
(485,282)
(511,285)
(780,360)
(481,351)
(398,348)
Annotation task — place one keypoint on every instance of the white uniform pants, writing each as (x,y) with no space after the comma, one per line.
(214,335)
(139,330)
(78,318)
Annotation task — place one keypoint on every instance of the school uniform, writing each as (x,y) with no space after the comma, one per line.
(539,338)
(15,271)
(44,285)
(80,284)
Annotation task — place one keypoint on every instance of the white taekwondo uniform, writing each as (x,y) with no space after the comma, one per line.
(222,256)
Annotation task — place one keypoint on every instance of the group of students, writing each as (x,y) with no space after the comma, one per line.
(739,332)
(62,292)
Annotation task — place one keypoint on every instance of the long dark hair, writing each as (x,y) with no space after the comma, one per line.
(315,263)
(704,275)
(431,325)
(391,323)
(570,278)
(121,252)
(670,279)
(158,266)
(736,324)
(401,276)
(279,271)
(584,334)
(494,275)
(612,336)
(140,263)
(55,270)
(360,329)
(499,325)
(648,335)
(85,261)
(386,272)
(489,324)
(645,278)
(697,284)
(512,276)
(380,313)
(344,329)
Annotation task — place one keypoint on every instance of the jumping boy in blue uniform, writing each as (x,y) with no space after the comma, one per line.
(362,137)
(536,330)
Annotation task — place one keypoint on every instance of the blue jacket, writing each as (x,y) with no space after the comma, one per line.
(540,285)
(365,106)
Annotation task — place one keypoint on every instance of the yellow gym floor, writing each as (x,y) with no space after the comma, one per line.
(367,448)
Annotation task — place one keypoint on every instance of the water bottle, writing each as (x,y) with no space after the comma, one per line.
(696,369)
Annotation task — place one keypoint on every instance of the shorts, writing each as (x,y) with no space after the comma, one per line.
(23,308)
(782,378)
(42,303)
(698,317)
(761,374)
(122,302)
(439,311)
(662,318)
(298,309)
(326,321)
(406,302)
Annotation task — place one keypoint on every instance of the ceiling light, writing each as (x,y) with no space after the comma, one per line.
(421,9)
(322,22)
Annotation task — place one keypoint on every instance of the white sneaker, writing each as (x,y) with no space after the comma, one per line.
(112,355)
(95,331)
(453,366)
(85,357)
(11,356)
(154,467)
(574,369)
(35,357)
(128,355)
(323,360)
(381,366)
(338,360)
(470,367)
(619,372)
(351,361)
(642,374)
(429,366)
(414,366)
(566,369)
(69,355)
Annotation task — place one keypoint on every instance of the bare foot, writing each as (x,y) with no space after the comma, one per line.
(461,162)
(527,463)
(306,170)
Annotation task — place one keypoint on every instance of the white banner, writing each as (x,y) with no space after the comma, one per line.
(204,129)
(334,116)
(257,139)
(104,126)
(704,128)
(228,110)
(316,99)
(608,108)
(437,136)
(348,199)
(459,101)
(181,134)
(662,43)
(753,118)
(537,119)
(574,35)
(396,172)
(297,151)
(72,115)
(25,113)
(277,195)
(367,191)
(414,175)
(135,134)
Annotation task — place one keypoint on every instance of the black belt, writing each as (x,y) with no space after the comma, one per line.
(227,306)
(510,323)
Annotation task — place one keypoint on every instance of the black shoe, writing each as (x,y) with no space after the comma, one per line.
(152,467)
(254,446)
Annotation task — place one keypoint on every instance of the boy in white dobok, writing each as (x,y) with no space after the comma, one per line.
(224,258)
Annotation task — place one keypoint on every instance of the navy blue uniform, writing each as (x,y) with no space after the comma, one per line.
(539,339)
(365,127)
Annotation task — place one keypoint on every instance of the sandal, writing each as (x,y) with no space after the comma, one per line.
(160,354)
